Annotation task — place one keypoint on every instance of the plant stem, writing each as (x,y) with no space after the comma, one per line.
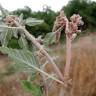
(34,41)
(68,50)
(45,83)
(61,91)
(41,71)
(8,27)
(68,56)
(40,47)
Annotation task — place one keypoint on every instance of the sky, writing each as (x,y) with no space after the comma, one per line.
(35,5)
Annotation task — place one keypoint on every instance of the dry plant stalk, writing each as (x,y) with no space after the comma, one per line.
(71,29)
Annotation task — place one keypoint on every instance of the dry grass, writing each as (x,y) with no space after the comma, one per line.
(84,73)
(83,68)
(10,86)
(4,61)
(10,82)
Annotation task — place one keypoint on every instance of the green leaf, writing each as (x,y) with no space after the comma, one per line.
(15,33)
(19,67)
(2,29)
(4,11)
(23,42)
(50,38)
(32,88)
(33,21)
(5,37)
(22,57)
(21,21)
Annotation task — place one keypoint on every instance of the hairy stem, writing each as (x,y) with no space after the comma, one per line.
(68,50)
(41,71)
(8,27)
(68,56)
(34,41)
(45,83)
(40,47)
(61,91)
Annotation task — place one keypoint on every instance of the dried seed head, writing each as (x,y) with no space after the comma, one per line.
(60,21)
(9,20)
(77,19)
(71,27)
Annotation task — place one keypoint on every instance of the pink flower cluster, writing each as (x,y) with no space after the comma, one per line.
(71,27)
(60,21)
(9,20)
(75,21)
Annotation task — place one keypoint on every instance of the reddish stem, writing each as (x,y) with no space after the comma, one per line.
(68,56)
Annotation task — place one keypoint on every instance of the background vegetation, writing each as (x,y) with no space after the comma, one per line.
(86,8)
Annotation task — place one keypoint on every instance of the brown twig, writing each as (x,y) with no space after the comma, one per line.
(68,51)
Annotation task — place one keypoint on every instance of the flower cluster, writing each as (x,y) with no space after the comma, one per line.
(75,21)
(71,27)
(9,20)
(60,21)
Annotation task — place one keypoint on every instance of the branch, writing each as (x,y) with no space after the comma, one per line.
(59,29)
(39,46)
(68,56)
(3,26)
(50,76)
(68,51)
(34,41)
